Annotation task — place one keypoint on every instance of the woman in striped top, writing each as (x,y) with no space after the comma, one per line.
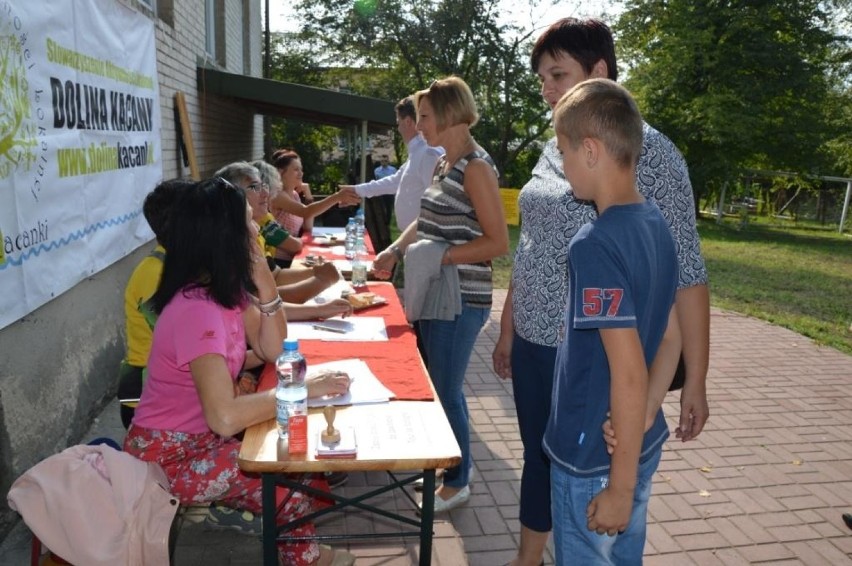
(461,216)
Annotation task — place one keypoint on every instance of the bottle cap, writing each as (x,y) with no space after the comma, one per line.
(291,344)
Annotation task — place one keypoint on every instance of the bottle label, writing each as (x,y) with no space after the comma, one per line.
(359,275)
(298,434)
(282,415)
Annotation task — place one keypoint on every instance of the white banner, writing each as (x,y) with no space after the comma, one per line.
(79,143)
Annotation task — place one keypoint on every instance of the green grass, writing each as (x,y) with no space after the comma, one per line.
(797,277)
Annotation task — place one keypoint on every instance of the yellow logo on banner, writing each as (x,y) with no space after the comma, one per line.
(18,140)
(510,205)
(2,249)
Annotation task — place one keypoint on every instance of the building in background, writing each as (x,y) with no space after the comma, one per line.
(58,363)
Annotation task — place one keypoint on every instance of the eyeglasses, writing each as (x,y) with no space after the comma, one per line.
(257,187)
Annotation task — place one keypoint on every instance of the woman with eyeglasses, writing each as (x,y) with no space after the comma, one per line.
(294,206)
(216,295)
(461,228)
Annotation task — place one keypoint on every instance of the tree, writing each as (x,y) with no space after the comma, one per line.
(406,45)
(312,142)
(736,84)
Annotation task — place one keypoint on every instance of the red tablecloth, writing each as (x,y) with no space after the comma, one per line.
(396,363)
(319,246)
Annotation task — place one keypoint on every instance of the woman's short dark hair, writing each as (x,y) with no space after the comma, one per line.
(207,245)
(587,41)
(158,205)
(282,158)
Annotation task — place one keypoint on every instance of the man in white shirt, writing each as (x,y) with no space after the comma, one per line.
(413,177)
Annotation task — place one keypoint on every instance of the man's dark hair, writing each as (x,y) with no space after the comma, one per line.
(405,108)
(159,202)
(208,245)
(587,41)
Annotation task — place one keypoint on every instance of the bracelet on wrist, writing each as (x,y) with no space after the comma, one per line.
(269,303)
(397,253)
(274,309)
(271,307)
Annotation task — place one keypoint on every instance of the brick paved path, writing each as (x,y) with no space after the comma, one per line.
(765,483)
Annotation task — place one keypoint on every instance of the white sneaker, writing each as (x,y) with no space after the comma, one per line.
(460,498)
(439,473)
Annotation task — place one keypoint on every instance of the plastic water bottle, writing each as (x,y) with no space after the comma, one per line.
(359,223)
(359,264)
(351,238)
(291,395)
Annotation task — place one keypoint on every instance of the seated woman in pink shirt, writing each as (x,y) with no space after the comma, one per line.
(216,295)
(293,206)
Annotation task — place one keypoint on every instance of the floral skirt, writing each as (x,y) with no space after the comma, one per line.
(202,468)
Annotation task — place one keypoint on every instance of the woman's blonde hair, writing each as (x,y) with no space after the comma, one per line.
(452,102)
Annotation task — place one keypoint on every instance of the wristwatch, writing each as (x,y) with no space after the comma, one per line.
(397,253)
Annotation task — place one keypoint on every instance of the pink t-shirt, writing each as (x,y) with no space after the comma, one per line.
(189,327)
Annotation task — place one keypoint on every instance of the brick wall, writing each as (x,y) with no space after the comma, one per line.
(222,130)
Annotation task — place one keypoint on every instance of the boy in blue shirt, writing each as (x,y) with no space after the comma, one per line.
(619,322)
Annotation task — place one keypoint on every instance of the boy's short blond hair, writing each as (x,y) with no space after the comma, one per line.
(452,102)
(604,110)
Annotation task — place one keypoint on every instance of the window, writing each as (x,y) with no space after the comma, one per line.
(210,27)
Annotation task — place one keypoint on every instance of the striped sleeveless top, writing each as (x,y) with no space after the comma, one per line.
(447,215)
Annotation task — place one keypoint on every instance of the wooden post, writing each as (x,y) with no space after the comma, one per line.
(186,136)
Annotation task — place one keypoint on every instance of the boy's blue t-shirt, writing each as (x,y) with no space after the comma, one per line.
(623,274)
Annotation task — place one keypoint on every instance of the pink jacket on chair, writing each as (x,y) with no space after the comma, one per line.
(94,505)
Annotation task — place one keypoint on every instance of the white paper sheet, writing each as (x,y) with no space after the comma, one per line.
(333,292)
(320,231)
(364,388)
(322,250)
(351,329)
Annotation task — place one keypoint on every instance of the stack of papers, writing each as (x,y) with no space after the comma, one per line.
(364,388)
(336,329)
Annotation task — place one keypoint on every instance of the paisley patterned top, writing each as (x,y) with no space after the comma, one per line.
(550,216)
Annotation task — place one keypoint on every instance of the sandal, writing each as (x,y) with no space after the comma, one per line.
(341,557)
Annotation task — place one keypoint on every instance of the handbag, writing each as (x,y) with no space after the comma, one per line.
(679,376)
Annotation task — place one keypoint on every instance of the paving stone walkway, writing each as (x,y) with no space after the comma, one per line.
(765,483)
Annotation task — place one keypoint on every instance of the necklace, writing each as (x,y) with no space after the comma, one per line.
(449,163)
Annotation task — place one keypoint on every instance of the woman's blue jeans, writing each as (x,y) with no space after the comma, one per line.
(448,345)
(574,543)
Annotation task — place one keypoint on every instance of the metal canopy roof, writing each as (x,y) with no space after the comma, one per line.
(300,102)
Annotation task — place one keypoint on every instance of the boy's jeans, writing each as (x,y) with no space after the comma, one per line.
(574,542)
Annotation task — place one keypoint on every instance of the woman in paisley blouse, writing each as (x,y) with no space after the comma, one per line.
(571,51)
(462,228)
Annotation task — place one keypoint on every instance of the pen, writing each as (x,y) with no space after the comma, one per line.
(329,328)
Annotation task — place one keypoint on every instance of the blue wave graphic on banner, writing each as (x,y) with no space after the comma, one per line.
(62,242)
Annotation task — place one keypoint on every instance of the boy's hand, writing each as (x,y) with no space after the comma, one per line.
(609,432)
(609,436)
(609,512)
